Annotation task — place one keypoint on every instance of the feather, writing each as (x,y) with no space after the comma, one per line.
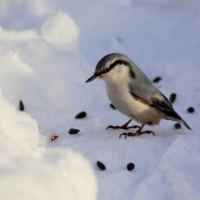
(161,102)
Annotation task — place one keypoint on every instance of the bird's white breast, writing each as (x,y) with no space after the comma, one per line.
(121,98)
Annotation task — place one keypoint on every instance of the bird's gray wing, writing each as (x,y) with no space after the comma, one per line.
(154,98)
(142,89)
(162,103)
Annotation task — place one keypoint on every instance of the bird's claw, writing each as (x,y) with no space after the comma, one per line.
(127,134)
(122,127)
(152,133)
(113,127)
(136,133)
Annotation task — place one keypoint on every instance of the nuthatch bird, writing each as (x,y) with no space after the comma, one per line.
(133,94)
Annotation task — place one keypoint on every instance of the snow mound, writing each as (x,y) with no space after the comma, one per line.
(18,35)
(60,30)
(63,174)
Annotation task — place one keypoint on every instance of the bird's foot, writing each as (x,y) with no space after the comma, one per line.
(122,127)
(125,126)
(137,133)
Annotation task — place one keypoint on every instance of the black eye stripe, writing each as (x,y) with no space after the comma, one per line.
(117,62)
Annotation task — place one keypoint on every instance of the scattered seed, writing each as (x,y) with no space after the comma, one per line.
(177,126)
(190,109)
(81,115)
(130,166)
(54,137)
(21,105)
(157,79)
(101,165)
(73,131)
(172,97)
(112,106)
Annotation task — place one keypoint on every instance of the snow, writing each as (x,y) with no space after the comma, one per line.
(48,49)
(60,30)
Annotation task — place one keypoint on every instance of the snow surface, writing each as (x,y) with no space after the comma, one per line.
(47,51)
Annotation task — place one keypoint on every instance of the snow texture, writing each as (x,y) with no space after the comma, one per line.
(48,49)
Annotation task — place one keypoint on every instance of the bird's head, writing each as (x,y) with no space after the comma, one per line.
(113,67)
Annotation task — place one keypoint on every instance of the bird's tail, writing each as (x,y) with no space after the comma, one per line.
(185,124)
(174,116)
(178,119)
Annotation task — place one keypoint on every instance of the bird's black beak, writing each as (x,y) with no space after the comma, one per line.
(91,78)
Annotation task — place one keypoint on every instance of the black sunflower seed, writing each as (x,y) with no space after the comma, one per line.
(73,131)
(190,109)
(172,97)
(157,79)
(177,126)
(112,106)
(101,165)
(21,105)
(81,115)
(130,166)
